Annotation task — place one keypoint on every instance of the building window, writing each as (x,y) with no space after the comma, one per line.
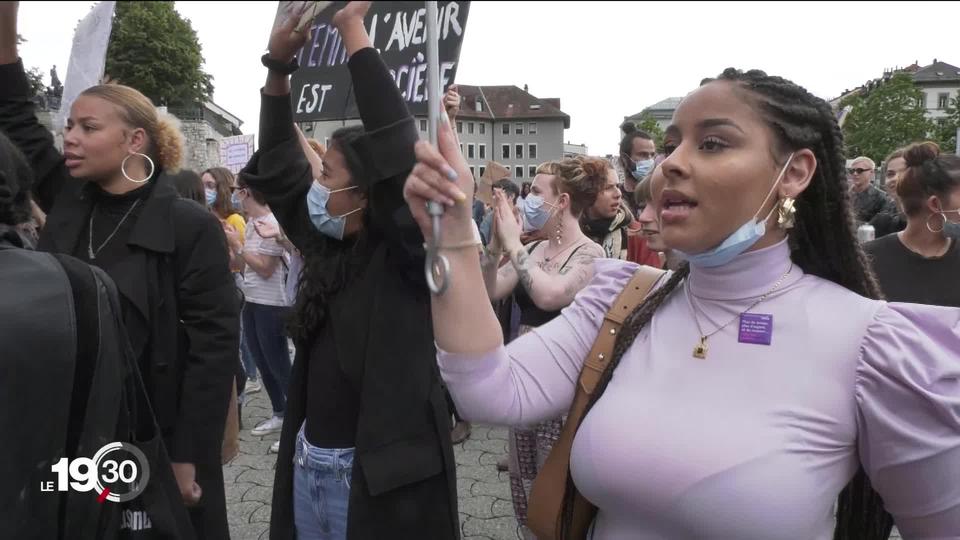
(518,172)
(922,100)
(519,152)
(326,142)
(470,153)
(483,128)
(483,150)
(505,151)
(532,128)
(532,172)
(943,101)
(461,149)
(459,127)
(478,105)
(470,128)
(423,125)
(483,170)
(506,129)
(532,151)
(471,172)
(518,128)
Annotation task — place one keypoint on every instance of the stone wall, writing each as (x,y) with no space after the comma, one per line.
(201,145)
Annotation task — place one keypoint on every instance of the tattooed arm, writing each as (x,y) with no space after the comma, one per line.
(500,282)
(551,292)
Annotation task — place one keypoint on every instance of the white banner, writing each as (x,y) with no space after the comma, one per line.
(87,57)
(236,151)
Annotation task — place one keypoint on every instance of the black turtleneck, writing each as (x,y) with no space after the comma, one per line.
(108,212)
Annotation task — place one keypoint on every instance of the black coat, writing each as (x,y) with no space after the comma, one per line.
(404,474)
(184,325)
(68,315)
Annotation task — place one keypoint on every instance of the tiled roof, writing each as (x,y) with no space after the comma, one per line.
(507,102)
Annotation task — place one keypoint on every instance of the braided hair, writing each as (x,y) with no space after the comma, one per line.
(823,243)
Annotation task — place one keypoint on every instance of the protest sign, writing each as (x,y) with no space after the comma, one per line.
(235,152)
(322,90)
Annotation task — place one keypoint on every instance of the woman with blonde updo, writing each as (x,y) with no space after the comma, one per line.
(551,272)
(108,205)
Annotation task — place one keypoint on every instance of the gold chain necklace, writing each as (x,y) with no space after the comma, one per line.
(700,349)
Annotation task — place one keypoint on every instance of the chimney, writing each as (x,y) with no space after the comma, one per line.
(934,60)
(527,88)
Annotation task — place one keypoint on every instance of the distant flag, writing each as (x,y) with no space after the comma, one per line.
(843,114)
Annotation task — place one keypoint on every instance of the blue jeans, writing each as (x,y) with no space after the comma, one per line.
(267,342)
(321,490)
(249,364)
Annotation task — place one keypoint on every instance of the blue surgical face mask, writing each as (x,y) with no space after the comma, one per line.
(950,229)
(534,212)
(742,239)
(317,198)
(236,202)
(211,195)
(641,168)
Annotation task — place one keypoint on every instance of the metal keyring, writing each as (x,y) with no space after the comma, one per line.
(436,265)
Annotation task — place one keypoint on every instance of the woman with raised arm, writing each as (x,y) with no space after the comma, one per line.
(365,448)
(544,276)
(109,205)
(754,383)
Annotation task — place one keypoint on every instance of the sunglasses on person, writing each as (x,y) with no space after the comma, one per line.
(857,171)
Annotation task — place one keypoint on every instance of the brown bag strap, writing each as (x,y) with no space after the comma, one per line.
(630,297)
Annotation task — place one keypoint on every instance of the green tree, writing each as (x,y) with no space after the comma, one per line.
(35,78)
(649,124)
(887,117)
(153,49)
(946,132)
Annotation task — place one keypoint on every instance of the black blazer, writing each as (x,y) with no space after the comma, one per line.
(184,324)
(404,474)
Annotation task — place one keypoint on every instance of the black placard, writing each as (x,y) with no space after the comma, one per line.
(321,88)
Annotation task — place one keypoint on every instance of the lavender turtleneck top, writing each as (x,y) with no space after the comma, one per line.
(755,441)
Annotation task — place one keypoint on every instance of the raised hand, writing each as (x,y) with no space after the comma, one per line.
(285,40)
(267,230)
(351,12)
(505,220)
(451,102)
(8,32)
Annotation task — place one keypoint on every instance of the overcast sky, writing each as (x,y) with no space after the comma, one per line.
(604,60)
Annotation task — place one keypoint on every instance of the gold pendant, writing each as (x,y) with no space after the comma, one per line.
(700,351)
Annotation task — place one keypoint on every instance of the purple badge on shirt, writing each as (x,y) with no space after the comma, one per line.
(756,328)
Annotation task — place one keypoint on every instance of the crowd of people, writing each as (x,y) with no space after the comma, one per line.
(782,379)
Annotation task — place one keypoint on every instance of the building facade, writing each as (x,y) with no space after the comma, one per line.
(505,124)
(574,150)
(661,111)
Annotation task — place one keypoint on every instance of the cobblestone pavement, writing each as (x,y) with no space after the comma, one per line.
(486,512)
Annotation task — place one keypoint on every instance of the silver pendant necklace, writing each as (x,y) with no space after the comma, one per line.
(90,251)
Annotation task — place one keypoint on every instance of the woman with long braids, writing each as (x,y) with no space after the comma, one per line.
(755,384)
